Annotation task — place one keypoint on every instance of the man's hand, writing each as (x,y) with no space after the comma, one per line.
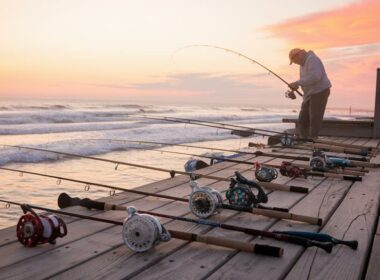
(294,86)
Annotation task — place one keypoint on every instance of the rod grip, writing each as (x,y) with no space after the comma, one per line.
(288,216)
(229,243)
(298,189)
(279,187)
(91,204)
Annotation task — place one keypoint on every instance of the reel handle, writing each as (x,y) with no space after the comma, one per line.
(322,237)
(229,243)
(326,246)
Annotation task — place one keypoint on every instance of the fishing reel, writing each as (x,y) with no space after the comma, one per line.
(204,201)
(194,164)
(289,170)
(290,94)
(240,192)
(33,229)
(321,161)
(265,173)
(141,232)
(287,140)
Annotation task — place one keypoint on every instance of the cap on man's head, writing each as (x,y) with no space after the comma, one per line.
(293,53)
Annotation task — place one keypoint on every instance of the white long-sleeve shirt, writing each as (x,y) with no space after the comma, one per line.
(313,77)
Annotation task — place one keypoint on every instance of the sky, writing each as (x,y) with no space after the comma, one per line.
(136,50)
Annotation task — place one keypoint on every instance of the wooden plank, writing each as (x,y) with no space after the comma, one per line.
(373,270)
(376,128)
(336,122)
(354,219)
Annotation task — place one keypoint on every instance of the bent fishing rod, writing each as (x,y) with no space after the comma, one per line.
(286,139)
(272,186)
(64,200)
(140,233)
(277,213)
(292,96)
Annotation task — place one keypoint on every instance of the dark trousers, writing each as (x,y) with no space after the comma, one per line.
(311,115)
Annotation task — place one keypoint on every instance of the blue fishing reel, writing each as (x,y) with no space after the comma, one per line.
(240,192)
(320,161)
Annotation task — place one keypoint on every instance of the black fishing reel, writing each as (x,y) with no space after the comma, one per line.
(240,192)
(265,173)
(289,170)
(142,232)
(290,94)
(33,229)
(204,201)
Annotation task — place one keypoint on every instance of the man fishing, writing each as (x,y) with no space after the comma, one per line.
(316,87)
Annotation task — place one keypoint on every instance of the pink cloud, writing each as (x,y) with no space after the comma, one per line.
(354,24)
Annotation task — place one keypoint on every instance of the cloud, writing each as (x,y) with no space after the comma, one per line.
(205,84)
(354,24)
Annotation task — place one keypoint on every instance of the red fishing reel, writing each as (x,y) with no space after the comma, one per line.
(289,170)
(33,229)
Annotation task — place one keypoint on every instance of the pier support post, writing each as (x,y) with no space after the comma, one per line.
(376,125)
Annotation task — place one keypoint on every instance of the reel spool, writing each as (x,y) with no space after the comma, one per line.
(290,94)
(240,192)
(33,229)
(205,201)
(287,169)
(265,173)
(141,232)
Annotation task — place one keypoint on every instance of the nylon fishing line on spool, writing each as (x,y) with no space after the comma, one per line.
(33,229)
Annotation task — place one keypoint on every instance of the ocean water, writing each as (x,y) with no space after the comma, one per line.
(90,128)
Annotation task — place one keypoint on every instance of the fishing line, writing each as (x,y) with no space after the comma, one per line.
(241,55)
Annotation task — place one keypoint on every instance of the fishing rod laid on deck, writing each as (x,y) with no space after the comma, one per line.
(272,186)
(208,200)
(140,233)
(346,174)
(256,153)
(64,200)
(285,138)
(346,171)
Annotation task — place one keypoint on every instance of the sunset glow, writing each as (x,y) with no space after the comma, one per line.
(127,49)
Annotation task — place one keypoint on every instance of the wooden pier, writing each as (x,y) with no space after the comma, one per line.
(93,250)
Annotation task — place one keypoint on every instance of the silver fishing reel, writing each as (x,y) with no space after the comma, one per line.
(141,232)
(204,201)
